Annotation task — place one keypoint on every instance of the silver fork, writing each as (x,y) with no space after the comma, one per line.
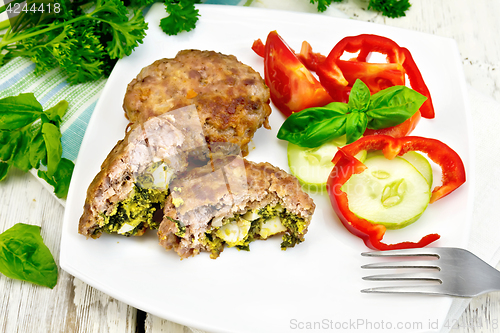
(458,271)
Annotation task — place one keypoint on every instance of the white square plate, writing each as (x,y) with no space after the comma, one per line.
(317,283)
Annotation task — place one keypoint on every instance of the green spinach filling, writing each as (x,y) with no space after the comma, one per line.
(240,230)
(137,213)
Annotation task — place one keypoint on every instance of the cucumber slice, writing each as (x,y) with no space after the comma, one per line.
(417,160)
(421,164)
(389,192)
(312,166)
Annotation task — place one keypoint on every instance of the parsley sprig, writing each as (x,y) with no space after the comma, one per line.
(182,16)
(389,8)
(83,39)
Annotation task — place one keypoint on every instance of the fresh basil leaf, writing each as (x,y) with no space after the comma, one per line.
(21,155)
(37,151)
(340,108)
(4,169)
(300,120)
(322,132)
(309,127)
(27,146)
(392,106)
(355,126)
(52,138)
(14,146)
(55,113)
(61,179)
(19,111)
(316,133)
(359,97)
(24,256)
(8,144)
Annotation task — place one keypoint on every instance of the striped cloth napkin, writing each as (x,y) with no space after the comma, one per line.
(18,76)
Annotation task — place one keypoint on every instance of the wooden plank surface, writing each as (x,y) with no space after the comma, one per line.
(73,306)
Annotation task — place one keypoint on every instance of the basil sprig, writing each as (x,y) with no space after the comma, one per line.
(24,256)
(30,137)
(312,127)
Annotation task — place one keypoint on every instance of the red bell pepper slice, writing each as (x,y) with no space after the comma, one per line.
(259,48)
(346,165)
(334,73)
(292,86)
(309,58)
(376,76)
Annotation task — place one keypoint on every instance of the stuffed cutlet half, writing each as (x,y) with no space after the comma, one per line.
(232,99)
(133,183)
(233,201)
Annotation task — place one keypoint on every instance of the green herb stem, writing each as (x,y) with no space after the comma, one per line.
(4,24)
(37,31)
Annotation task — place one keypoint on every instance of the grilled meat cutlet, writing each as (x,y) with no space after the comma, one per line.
(232,201)
(133,181)
(232,98)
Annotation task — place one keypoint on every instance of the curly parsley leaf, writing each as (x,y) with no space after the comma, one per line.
(84,39)
(323,4)
(126,32)
(390,8)
(139,3)
(182,16)
(83,43)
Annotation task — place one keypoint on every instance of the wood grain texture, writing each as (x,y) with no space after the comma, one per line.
(73,306)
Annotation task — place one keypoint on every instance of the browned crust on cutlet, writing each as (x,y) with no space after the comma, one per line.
(91,217)
(170,138)
(202,203)
(232,98)
(278,184)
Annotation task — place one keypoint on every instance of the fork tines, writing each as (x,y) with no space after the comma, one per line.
(426,251)
(418,276)
(455,272)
